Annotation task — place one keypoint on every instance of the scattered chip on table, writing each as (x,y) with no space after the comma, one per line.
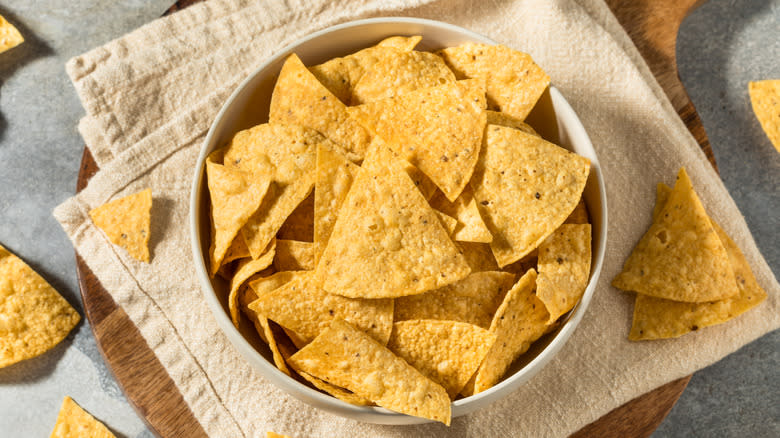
(126,222)
(349,358)
(765,99)
(292,255)
(33,316)
(564,268)
(75,422)
(9,35)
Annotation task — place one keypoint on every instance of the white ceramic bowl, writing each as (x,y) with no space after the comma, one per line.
(553,118)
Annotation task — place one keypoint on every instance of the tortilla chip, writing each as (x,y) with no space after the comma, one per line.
(246,269)
(680,257)
(473,300)
(300,305)
(525,188)
(519,321)
(400,73)
(447,352)
(765,98)
(126,222)
(478,256)
(502,119)
(300,99)
(300,224)
(262,324)
(237,250)
(345,356)
(564,268)
(334,178)
(470,226)
(292,255)
(270,434)
(448,222)
(579,215)
(437,129)
(340,393)
(74,422)
(235,197)
(514,81)
(387,241)
(379,154)
(9,35)
(339,75)
(285,155)
(33,316)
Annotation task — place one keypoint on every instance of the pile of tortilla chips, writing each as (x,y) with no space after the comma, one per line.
(396,233)
(686,270)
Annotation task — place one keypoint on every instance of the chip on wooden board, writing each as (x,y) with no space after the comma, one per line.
(447,352)
(347,357)
(335,174)
(765,99)
(9,35)
(525,188)
(33,316)
(75,422)
(564,268)
(127,222)
(244,271)
(436,129)
(680,257)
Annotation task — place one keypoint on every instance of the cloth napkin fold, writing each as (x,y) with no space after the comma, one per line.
(150,97)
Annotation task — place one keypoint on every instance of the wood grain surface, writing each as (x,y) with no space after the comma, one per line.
(653,26)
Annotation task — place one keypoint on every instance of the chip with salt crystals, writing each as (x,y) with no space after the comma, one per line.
(447,352)
(470,227)
(680,257)
(564,268)
(473,300)
(400,73)
(292,255)
(657,318)
(285,155)
(300,224)
(33,316)
(765,99)
(525,188)
(436,129)
(9,35)
(478,256)
(300,99)
(334,178)
(520,320)
(75,422)
(235,196)
(347,357)
(302,306)
(261,323)
(579,215)
(126,222)
(246,269)
(387,228)
(503,119)
(514,81)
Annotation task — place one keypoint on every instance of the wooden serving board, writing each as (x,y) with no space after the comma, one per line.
(652,25)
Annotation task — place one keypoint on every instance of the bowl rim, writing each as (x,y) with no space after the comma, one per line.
(324,401)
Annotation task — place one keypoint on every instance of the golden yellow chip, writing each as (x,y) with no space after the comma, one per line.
(237,250)
(246,269)
(379,154)
(525,188)
(579,215)
(235,197)
(473,300)
(300,99)
(347,357)
(519,321)
(680,257)
(9,36)
(126,222)
(564,268)
(285,155)
(470,226)
(514,81)
(334,178)
(75,422)
(436,129)
(503,119)
(399,73)
(387,228)
(270,434)
(338,392)
(33,316)
(300,305)
(262,325)
(765,98)
(447,352)
(478,256)
(448,222)
(292,255)
(300,224)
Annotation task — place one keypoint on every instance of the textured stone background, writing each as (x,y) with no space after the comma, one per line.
(722,46)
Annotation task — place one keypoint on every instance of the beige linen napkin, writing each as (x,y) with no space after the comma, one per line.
(151,95)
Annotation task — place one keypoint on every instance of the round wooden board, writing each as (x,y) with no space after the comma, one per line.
(652,25)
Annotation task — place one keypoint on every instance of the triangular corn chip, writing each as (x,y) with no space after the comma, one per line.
(261,324)
(564,268)
(525,188)
(380,154)
(437,129)
(9,36)
(75,422)
(765,98)
(334,178)
(503,119)
(126,222)
(338,392)
(245,270)
(237,250)
(470,227)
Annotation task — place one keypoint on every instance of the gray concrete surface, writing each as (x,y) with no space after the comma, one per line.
(722,46)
